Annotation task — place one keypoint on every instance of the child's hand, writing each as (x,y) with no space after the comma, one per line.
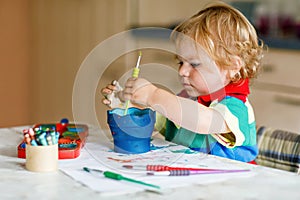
(112,95)
(139,91)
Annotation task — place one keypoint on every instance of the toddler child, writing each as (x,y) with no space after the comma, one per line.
(218,53)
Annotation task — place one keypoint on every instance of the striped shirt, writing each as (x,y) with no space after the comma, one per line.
(240,144)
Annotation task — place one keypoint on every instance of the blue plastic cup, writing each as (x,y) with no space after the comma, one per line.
(131,132)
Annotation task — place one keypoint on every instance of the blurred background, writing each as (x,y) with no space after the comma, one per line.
(44,42)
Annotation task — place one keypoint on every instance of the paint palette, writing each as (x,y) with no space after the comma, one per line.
(71,140)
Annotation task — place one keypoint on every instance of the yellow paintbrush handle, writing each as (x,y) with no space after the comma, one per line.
(135,74)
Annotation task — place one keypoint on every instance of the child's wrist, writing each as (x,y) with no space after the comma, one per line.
(153,96)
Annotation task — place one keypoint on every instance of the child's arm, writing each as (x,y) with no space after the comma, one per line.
(184,112)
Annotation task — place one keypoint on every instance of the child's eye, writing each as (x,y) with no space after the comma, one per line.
(194,64)
(180,63)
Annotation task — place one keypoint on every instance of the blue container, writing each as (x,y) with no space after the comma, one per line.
(131,132)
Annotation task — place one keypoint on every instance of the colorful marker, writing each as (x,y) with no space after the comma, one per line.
(29,137)
(40,136)
(53,137)
(49,139)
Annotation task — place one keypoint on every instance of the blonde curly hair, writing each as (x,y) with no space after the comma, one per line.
(224,33)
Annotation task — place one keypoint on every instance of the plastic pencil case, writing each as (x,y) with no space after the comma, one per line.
(71,140)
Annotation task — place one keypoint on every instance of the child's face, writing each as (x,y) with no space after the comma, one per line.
(198,73)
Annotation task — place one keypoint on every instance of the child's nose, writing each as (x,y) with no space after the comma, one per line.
(184,70)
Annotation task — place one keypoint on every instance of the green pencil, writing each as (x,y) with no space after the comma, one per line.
(119,177)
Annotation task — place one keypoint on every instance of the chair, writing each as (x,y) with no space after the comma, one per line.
(278,149)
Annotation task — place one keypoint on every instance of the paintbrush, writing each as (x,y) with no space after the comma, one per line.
(192,172)
(165,168)
(135,74)
(119,177)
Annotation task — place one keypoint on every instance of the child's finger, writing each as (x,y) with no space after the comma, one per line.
(106,102)
(127,94)
(106,91)
(111,87)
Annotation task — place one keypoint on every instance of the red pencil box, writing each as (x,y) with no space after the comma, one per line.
(72,138)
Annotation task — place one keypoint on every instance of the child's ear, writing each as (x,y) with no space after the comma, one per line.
(237,64)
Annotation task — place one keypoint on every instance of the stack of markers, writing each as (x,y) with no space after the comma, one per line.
(40,136)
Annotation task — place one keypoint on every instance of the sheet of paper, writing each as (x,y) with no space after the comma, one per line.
(98,154)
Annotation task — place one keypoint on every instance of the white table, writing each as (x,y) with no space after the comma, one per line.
(18,183)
